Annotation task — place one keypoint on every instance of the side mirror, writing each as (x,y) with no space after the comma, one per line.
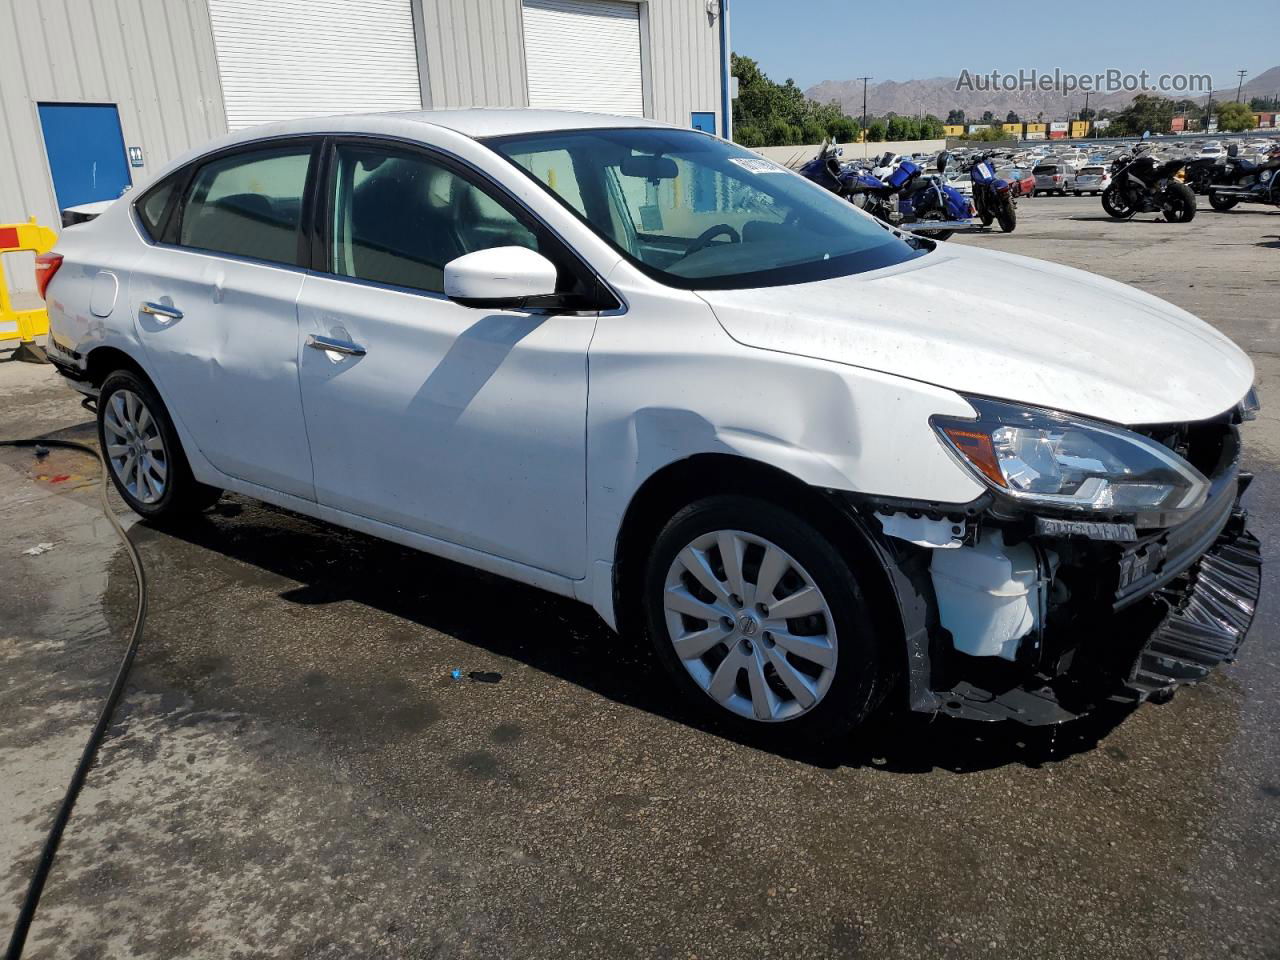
(501,278)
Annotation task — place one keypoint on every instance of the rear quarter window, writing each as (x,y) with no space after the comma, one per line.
(154,204)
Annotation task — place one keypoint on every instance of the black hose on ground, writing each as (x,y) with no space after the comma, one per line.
(18,939)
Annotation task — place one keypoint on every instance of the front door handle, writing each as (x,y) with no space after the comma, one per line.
(162,311)
(317,342)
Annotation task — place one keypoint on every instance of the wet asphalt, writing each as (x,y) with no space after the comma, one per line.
(294,773)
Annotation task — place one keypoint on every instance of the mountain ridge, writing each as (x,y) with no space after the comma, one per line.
(938,95)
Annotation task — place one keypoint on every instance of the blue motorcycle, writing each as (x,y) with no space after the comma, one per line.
(904,198)
(992,196)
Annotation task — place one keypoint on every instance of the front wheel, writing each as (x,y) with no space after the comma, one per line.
(1114,202)
(142,452)
(761,622)
(1179,203)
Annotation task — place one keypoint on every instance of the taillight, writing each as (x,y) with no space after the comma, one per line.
(47,265)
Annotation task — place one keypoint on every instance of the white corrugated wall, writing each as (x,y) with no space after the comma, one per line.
(475,53)
(284,59)
(584,55)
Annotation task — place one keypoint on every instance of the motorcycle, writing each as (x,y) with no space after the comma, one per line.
(993,198)
(904,199)
(1141,185)
(1247,182)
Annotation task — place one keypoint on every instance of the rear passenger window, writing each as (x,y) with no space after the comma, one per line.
(154,203)
(248,205)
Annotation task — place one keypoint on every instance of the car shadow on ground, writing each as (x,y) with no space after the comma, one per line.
(566,639)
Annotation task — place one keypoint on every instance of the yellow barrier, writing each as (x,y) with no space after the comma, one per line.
(23,325)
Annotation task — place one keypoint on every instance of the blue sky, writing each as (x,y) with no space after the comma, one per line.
(814,40)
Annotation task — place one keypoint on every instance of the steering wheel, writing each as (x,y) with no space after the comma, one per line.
(705,238)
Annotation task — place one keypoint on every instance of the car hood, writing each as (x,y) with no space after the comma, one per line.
(1003,326)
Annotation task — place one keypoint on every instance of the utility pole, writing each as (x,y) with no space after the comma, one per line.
(864,114)
(1240,85)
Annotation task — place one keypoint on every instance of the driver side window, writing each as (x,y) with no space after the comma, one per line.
(399,216)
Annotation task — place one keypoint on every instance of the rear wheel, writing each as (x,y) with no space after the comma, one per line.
(1008,217)
(143,455)
(1222,204)
(760,620)
(1076,192)
(1179,203)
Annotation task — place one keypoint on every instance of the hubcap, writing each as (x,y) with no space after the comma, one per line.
(135,448)
(750,625)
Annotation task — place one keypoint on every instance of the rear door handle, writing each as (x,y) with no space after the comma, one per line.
(317,342)
(163,311)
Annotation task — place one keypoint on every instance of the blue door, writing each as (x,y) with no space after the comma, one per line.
(86,151)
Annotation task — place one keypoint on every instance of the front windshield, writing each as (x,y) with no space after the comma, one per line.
(697,212)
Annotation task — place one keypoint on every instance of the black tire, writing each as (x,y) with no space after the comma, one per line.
(1114,204)
(1222,204)
(986,217)
(863,664)
(1180,202)
(1076,192)
(182,495)
(1008,217)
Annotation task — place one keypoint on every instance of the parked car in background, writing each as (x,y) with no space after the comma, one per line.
(1021,180)
(83,212)
(1092,180)
(816,461)
(1053,176)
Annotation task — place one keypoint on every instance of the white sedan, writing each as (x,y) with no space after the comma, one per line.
(1092,180)
(818,461)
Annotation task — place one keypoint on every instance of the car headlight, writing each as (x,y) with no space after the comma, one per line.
(1054,460)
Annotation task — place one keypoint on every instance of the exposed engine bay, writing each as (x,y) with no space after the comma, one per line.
(1040,618)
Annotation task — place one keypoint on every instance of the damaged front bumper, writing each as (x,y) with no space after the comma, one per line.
(1109,616)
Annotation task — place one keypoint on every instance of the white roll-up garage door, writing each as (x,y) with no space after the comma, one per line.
(282,59)
(584,55)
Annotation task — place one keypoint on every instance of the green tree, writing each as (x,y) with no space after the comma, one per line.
(988,116)
(876,130)
(813,131)
(844,130)
(1234,117)
(931,128)
(779,114)
(1012,118)
(748,134)
(986,136)
(1145,112)
(955,116)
